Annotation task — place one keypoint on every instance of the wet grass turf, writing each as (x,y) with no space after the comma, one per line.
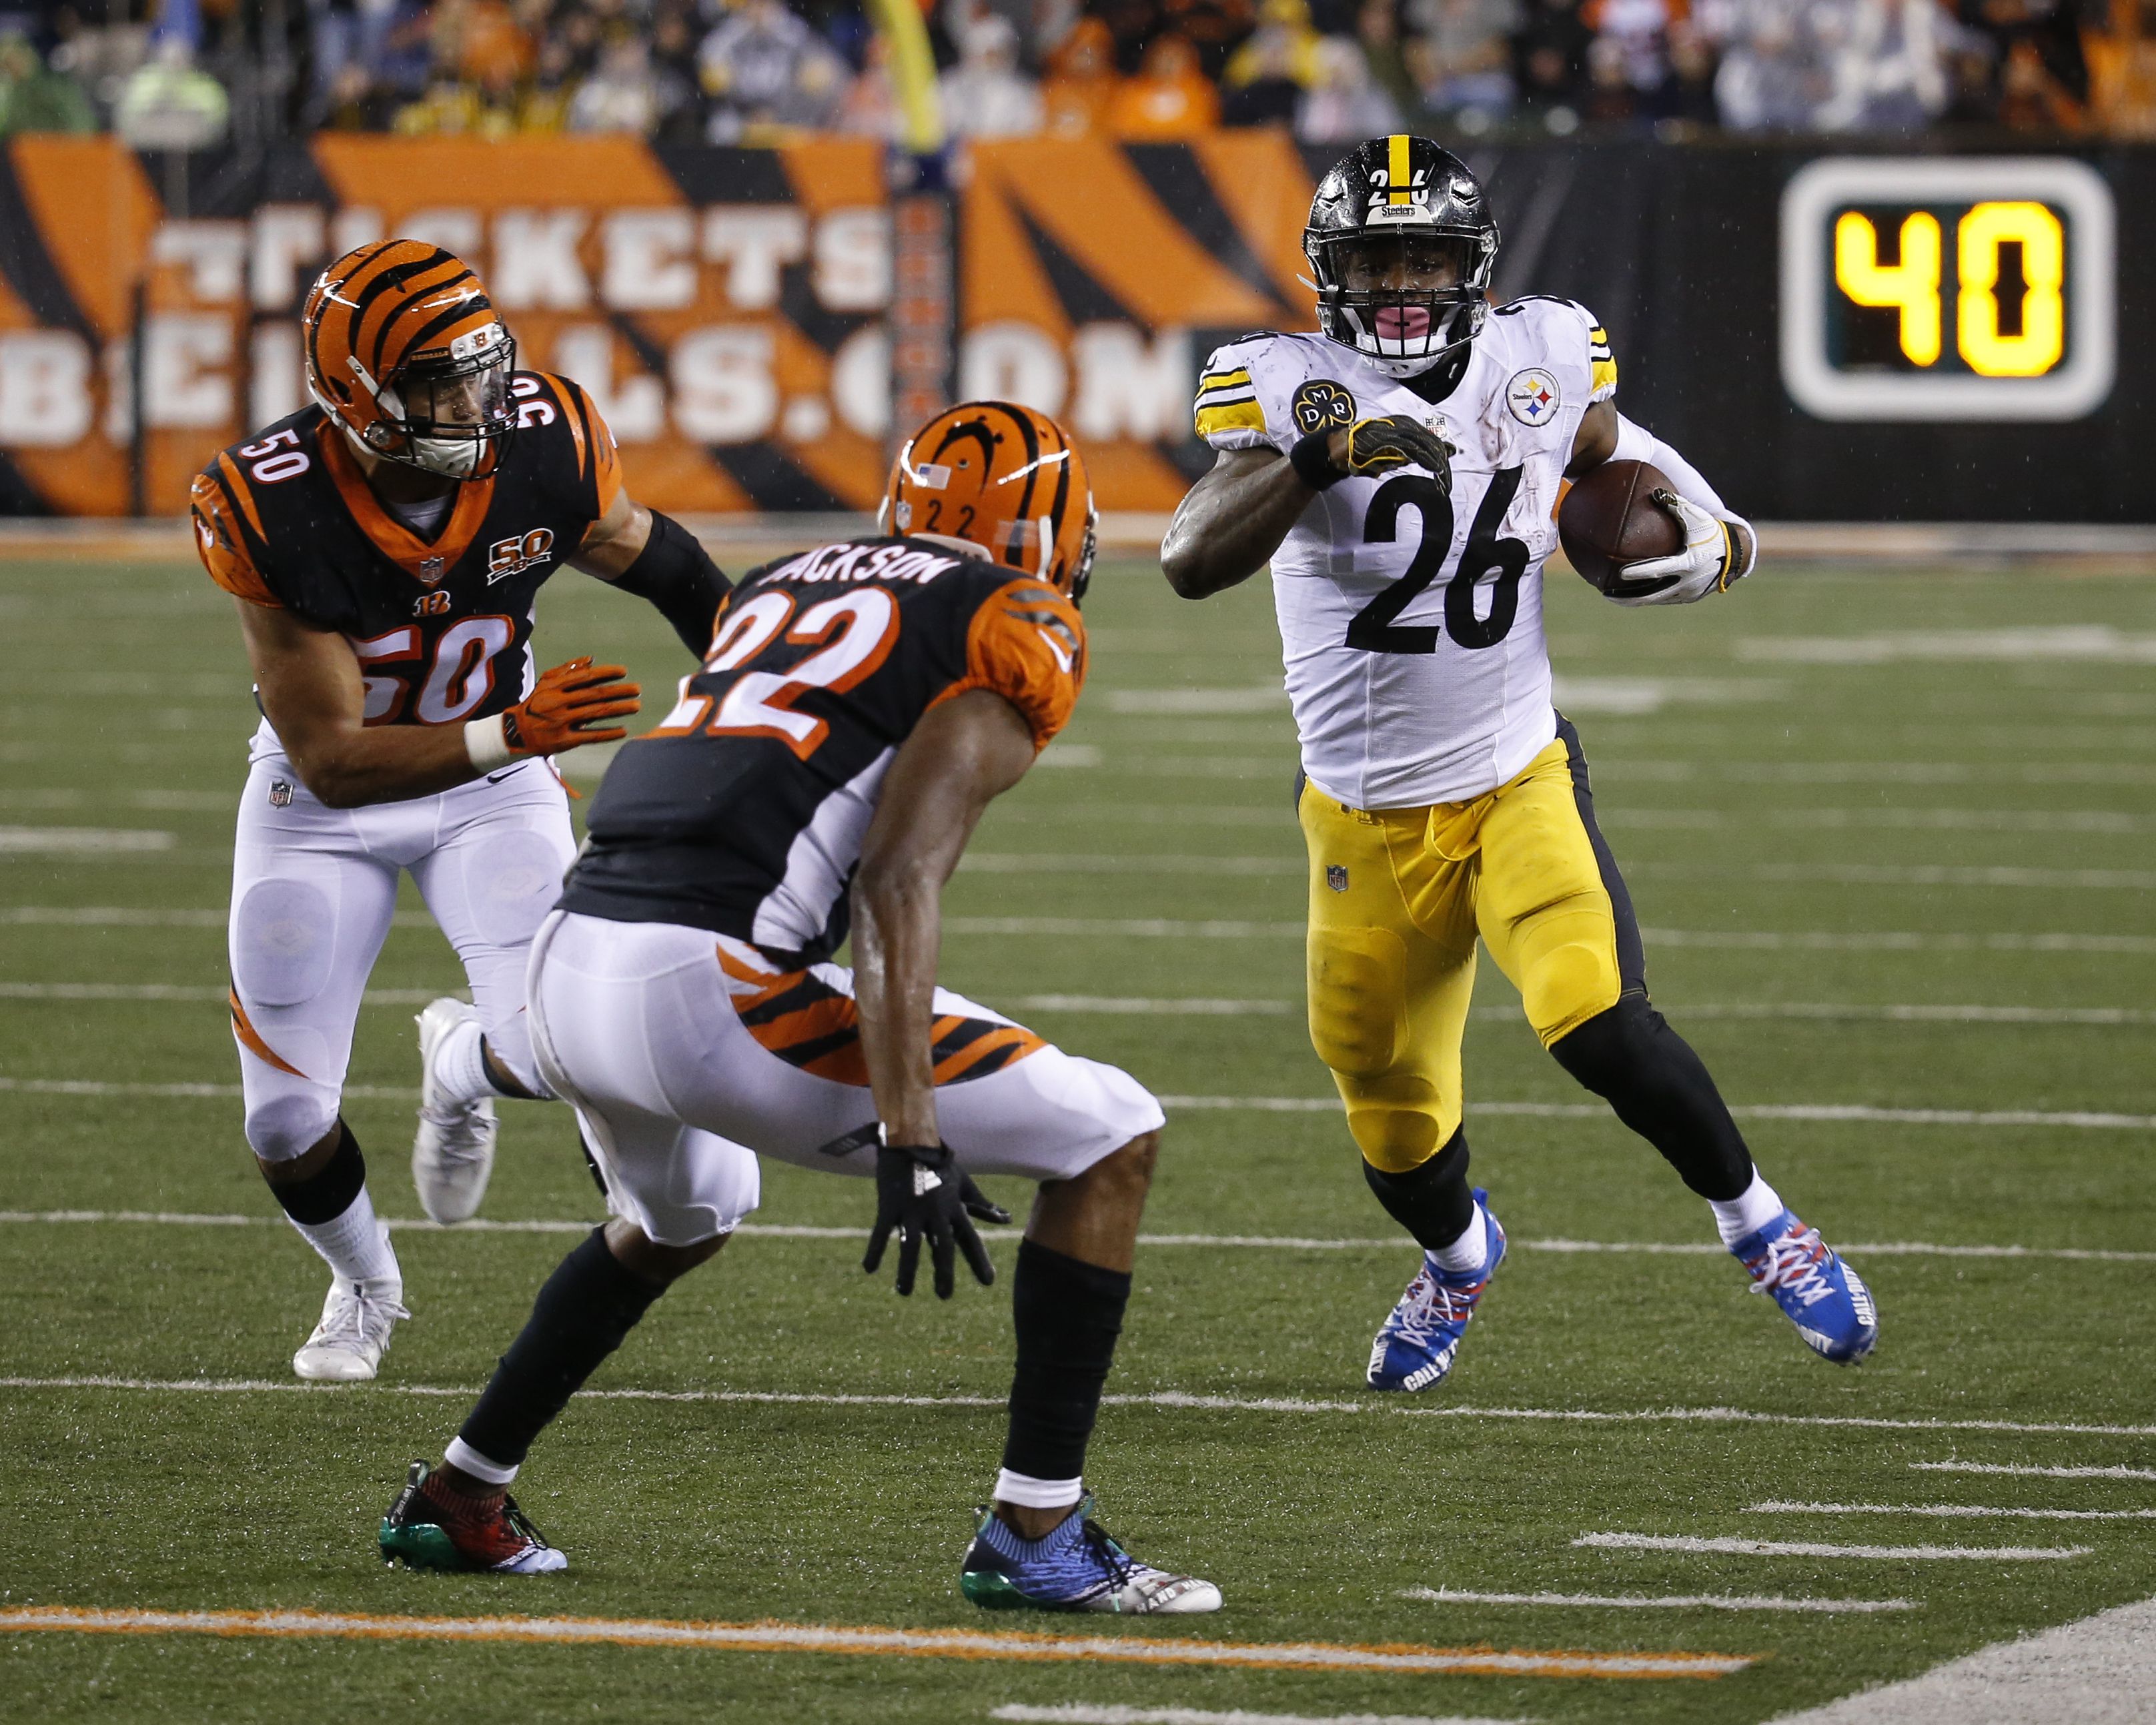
(1739,804)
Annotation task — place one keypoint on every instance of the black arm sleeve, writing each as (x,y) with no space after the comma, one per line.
(677,575)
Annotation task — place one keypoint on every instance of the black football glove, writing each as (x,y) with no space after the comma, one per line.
(1376,446)
(922,1191)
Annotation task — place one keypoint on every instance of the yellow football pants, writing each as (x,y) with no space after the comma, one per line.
(1398,897)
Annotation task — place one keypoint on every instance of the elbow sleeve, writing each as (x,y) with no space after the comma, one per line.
(1635,442)
(676,575)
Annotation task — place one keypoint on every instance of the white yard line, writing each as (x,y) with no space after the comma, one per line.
(1118,1005)
(81,841)
(1959,1511)
(1262,1242)
(2098,1672)
(2031,1471)
(1828,1112)
(1662,1602)
(1822,941)
(1806,1548)
(177,993)
(1947,820)
(1174,1399)
(1174,928)
(1085,1712)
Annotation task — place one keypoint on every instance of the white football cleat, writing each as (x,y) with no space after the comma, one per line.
(453,1153)
(349,1343)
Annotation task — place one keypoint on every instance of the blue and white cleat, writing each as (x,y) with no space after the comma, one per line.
(1825,1299)
(1415,1348)
(1075,1567)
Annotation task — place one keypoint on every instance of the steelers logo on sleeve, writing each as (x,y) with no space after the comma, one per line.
(1320,404)
(1533,396)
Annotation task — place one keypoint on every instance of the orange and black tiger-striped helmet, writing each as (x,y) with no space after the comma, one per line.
(1000,480)
(404,347)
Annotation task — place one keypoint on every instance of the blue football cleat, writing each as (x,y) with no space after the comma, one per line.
(1825,1299)
(1415,1348)
(1075,1567)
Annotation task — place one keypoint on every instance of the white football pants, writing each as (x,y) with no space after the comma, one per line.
(313,889)
(684,1051)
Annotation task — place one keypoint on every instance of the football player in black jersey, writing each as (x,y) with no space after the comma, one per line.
(384,547)
(860,705)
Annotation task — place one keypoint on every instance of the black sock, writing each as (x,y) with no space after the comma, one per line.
(1068,1315)
(1432,1201)
(1661,1089)
(588,1305)
(327,1193)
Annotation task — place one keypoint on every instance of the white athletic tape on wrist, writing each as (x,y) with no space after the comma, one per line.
(486,741)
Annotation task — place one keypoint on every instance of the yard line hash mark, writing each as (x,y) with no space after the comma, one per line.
(1168,1398)
(1971,1511)
(900,1643)
(1715,1602)
(1272,1242)
(1806,1548)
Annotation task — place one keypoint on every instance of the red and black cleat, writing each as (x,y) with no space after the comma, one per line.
(430,1527)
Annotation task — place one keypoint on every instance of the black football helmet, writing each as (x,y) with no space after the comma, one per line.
(1401,201)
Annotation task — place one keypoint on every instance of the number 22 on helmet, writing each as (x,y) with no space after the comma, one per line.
(404,350)
(1000,481)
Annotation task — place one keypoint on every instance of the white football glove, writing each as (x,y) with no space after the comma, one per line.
(1714,557)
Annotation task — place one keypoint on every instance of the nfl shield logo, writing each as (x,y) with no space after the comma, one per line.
(280,793)
(1336,876)
(430,570)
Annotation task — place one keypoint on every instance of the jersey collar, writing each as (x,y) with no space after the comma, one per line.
(422,561)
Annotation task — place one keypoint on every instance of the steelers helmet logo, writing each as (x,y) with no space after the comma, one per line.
(1533,396)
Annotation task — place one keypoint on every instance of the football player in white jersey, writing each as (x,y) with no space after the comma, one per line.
(1401,470)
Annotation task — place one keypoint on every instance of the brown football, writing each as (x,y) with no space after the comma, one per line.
(1607,518)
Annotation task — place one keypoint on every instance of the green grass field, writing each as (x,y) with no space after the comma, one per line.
(1891,836)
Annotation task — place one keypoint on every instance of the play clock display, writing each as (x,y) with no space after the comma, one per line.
(1963,288)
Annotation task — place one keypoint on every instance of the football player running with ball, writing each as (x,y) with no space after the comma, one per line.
(861,705)
(1400,471)
(385,546)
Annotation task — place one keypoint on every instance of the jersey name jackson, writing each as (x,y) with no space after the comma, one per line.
(744,810)
(1411,621)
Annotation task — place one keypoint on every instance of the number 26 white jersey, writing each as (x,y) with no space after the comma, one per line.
(1411,622)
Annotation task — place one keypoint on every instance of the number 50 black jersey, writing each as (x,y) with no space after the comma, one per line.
(744,811)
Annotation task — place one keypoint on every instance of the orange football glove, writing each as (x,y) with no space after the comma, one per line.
(571,700)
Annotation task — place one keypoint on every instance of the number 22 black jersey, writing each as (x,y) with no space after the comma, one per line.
(744,811)
(442,626)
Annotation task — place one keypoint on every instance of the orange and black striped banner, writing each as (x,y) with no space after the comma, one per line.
(726,309)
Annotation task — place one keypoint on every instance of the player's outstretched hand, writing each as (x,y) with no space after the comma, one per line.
(570,707)
(1718,551)
(1376,446)
(921,1193)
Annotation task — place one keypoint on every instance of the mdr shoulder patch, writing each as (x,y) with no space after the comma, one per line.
(1321,405)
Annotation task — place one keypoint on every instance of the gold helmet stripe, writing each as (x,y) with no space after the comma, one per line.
(1398,174)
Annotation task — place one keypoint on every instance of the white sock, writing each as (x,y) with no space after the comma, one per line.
(1747,1213)
(1030,1493)
(355,1245)
(1470,1251)
(461,1454)
(461,1063)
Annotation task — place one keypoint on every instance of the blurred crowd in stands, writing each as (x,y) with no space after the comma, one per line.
(182,73)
